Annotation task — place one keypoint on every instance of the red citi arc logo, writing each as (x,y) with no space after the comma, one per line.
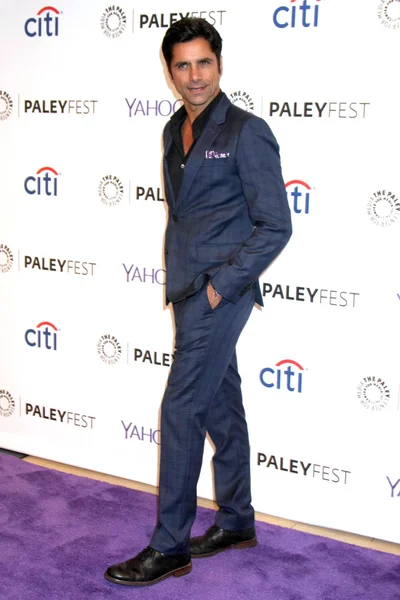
(44,184)
(42,338)
(46,23)
(299,191)
(288,379)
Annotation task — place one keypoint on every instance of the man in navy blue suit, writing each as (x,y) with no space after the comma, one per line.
(228,220)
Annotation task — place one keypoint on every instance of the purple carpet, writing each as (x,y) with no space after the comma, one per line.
(58,532)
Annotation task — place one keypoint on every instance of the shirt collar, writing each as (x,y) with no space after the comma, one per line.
(200,122)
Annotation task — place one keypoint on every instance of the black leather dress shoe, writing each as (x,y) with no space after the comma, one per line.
(149,567)
(217,540)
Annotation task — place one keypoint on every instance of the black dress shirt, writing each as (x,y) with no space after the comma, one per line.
(176,158)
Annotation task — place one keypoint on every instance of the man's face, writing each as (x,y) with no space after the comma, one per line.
(195,73)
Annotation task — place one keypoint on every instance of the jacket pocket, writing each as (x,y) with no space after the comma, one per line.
(216,253)
(217,163)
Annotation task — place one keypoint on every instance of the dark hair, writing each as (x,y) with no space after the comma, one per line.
(186,30)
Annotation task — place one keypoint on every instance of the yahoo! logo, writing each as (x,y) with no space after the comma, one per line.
(46,25)
(287,379)
(305,12)
(156,108)
(301,197)
(394,488)
(139,433)
(135,273)
(44,184)
(33,337)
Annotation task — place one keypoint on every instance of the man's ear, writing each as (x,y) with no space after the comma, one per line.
(170,76)
(220,65)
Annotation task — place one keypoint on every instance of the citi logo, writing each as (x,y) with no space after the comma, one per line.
(284,378)
(304,13)
(45,184)
(42,338)
(298,196)
(45,23)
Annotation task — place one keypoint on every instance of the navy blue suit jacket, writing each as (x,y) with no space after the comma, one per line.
(231,217)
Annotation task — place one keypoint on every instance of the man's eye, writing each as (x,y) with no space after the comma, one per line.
(182,66)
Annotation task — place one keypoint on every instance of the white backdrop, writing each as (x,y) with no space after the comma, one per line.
(86,340)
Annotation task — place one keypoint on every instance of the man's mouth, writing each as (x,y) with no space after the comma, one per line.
(197,89)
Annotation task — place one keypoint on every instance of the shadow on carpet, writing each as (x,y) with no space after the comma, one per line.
(59,532)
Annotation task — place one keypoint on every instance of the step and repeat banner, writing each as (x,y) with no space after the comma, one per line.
(86,338)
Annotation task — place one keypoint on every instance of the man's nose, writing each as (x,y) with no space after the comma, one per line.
(194,73)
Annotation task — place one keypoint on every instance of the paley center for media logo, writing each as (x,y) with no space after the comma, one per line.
(43,336)
(43,182)
(283,376)
(114,20)
(109,349)
(373,393)
(111,191)
(383,207)
(327,110)
(44,23)
(297,13)
(300,467)
(7,404)
(313,295)
(6,259)
(6,105)
(389,13)
(242,100)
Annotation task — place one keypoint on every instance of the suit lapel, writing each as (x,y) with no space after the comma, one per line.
(204,142)
(167,178)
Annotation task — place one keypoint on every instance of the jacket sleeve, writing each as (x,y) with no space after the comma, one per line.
(259,168)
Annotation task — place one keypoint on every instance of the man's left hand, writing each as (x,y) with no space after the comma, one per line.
(214,297)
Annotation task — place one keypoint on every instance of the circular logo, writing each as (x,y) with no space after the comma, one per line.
(383,208)
(6,105)
(113,21)
(242,100)
(6,258)
(7,404)
(373,393)
(111,190)
(389,13)
(109,349)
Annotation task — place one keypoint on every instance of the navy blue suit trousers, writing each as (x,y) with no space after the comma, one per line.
(203,394)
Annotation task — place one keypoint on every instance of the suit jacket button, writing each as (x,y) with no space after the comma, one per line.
(174,218)
(166,251)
